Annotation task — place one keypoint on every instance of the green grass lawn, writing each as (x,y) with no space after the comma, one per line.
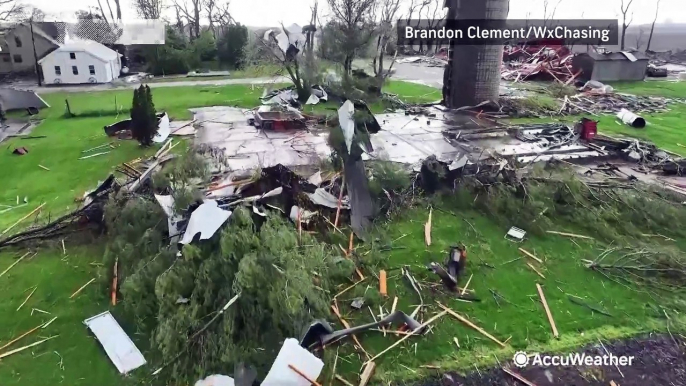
(249,72)
(58,276)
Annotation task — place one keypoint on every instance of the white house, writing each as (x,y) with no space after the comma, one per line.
(81,61)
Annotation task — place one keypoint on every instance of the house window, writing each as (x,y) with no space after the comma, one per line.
(17,58)
(58,70)
(17,41)
(6,58)
(74,70)
(91,69)
(72,55)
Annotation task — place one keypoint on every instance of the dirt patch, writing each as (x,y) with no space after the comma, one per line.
(658,361)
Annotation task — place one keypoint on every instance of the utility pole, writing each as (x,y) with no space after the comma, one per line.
(35,56)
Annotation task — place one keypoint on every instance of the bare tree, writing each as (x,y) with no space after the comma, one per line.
(116,2)
(149,9)
(191,12)
(210,5)
(353,20)
(652,27)
(625,23)
(389,8)
(10,9)
(102,11)
(434,17)
(222,17)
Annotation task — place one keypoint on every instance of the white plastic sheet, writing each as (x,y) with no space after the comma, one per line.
(162,130)
(206,220)
(293,354)
(118,346)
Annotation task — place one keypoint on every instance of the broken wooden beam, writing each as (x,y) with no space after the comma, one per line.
(382,283)
(367,373)
(535,270)
(427,229)
(6,354)
(349,288)
(43,167)
(472,325)
(466,285)
(531,255)
(570,235)
(305,377)
(81,289)
(15,263)
(547,310)
(27,298)
(21,336)
(342,380)
(414,332)
(23,218)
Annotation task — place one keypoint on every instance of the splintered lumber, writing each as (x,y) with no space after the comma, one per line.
(547,310)
(340,203)
(427,229)
(570,235)
(23,218)
(414,332)
(467,285)
(94,155)
(531,255)
(27,298)
(395,304)
(472,325)
(21,336)
(518,377)
(535,270)
(347,326)
(114,282)
(367,373)
(315,383)
(349,288)
(6,354)
(457,342)
(81,289)
(43,167)
(382,283)
(15,263)
(350,244)
(342,380)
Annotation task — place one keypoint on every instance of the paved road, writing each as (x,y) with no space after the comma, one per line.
(123,86)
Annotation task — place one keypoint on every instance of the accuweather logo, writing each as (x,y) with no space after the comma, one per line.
(521,359)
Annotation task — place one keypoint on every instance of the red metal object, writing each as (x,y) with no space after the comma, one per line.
(279,120)
(589,128)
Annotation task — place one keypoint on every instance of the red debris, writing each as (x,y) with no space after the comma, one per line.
(534,61)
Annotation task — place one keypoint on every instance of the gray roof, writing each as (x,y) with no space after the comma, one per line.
(616,56)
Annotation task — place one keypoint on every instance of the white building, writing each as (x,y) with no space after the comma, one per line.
(81,61)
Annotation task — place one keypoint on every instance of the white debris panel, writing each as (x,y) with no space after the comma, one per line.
(206,220)
(293,354)
(118,346)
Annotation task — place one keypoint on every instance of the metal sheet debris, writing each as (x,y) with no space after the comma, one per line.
(324,198)
(292,353)
(14,99)
(206,220)
(347,122)
(162,129)
(515,234)
(118,346)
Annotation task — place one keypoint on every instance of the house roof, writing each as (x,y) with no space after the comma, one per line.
(92,47)
(616,56)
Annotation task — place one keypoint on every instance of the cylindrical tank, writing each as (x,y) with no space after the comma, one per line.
(474,75)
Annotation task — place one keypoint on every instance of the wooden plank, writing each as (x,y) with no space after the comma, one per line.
(467,285)
(22,219)
(427,229)
(312,381)
(342,380)
(3,355)
(382,283)
(27,298)
(15,263)
(472,325)
(535,270)
(414,332)
(349,288)
(570,235)
(81,289)
(21,336)
(367,373)
(531,255)
(518,377)
(547,310)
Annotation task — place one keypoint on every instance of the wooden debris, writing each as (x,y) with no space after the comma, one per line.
(23,218)
(312,381)
(349,288)
(340,203)
(3,355)
(570,235)
(466,285)
(382,283)
(21,336)
(49,323)
(367,373)
(547,310)
(342,380)
(531,255)
(43,167)
(345,324)
(395,304)
(93,155)
(457,342)
(114,282)
(427,229)
(333,369)
(27,298)
(350,244)
(15,263)
(518,377)
(612,383)
(430,367)
(470,324)
(414,332)
(535,270)
(81,289)
(64,250)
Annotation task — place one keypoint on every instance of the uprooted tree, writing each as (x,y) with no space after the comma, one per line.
(143,118)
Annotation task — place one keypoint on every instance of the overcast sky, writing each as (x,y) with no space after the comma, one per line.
(272,12)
